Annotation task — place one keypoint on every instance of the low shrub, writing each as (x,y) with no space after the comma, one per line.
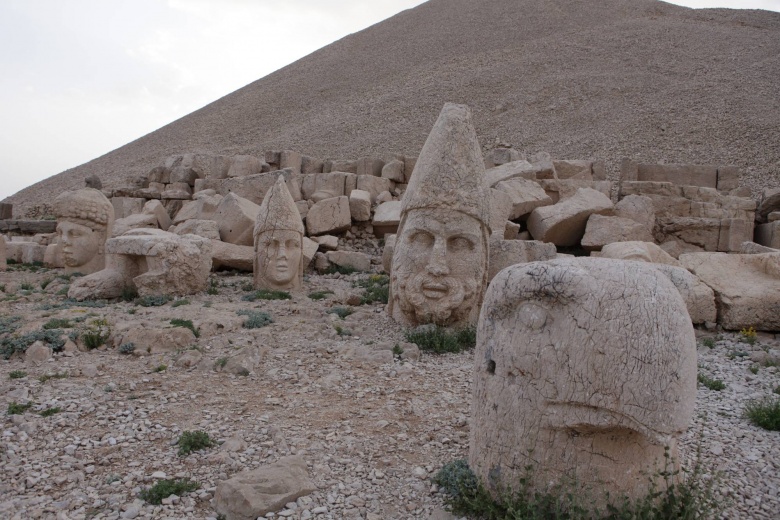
(153,301)
(129,294)
(376,288)
(712,384)
(19,344)
(50,411)
(194,441)
(255,319)
(161,368)
(187,324)
(56,375)
(179,303)
(340,269)
(265,294)
(764,413)
(96,334)
(341,312)
(17,374)
(165,488)
(708,342)
(319,295)
(440,340)
(748,335)
(58,323)
(127,348)
(15,408)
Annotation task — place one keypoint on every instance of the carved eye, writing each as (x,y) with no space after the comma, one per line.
(532,316)
(460,244)
(421,238)
(292,244)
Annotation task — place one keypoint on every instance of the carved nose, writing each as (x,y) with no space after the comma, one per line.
(282,251)
(437,263)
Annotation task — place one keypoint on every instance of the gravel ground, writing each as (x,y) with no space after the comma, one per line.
(372,429)
(580,80)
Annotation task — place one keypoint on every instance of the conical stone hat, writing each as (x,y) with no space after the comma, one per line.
(450,172)
(278,211)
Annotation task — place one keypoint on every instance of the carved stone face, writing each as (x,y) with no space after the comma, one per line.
(80,246)
(439,266)
(586,370)
(279,254)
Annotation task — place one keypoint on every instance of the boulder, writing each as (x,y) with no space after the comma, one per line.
(352,259)
(576,376)
(642,251)
(564,223)
(254,493)
(243,165)
(386,218)
(511,170)
(698,297)
(747,287)
(155,208)
(602,230)
(203,228)
(373,185)
(136,221)
(329,216)
(202,208)
(573,169)
(231,256)
(149,338)
(504,253)
(310,248)
(637,208)
(37,354)
(394,171)
(360,205)
(327,242)
(525,196)
(235,217)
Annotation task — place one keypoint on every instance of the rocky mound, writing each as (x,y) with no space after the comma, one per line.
(596,80)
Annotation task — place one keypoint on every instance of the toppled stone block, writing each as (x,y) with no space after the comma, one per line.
(728,178)
(329,216)
(525,196)
(387,216)
(504,253)
(770,202)
(250,494)
(351,259)
(747,287)
(155,208)
(640,251)
(254,187)
(231,256)
(310,165)
(502,155)
(327,242)
(394,171)
(680,174)
(203,208)
(564,223)
(243,165)
(637,208)
(202,228)
(370,166)
(573,169)
(373,185)
(149,339)
(500,210)
(751,248)
(323,186)
(602,230)
(136,221)
(698,297)
(360,205)
(290,159)
(515,169)
(126,206)
(235,217)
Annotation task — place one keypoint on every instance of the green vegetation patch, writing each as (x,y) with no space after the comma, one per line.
(165,488)
(17,374)
(17,408)
(764,413)
(11,345)
(265,294)
(319,295)
(153,301)
(255,319)
(187,324)
(440,340)
(341,312)
(194,441)
(376,288)
(712,384)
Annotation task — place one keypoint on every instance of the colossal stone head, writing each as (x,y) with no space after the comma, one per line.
(84,221)
(278,240)
(439,267)
(585,370)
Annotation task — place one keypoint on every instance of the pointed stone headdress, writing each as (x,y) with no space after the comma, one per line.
(450,172)
(278,211)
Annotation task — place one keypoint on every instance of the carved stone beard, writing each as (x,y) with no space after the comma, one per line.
(454,306)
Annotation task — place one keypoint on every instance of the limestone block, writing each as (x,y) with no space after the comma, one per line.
(290,159)
(309,250)
(770,202)
(235,217)
(160,174)
(327,242)
(629,171)
(350,183)
(155,207)
(303,208)
(394,171)
(512,232)
(543,164)
(203,208)
(360,205)
(525,195)
(323,186)
(504,253)
(243,165)
(136,221)
(203,228)
(599,171)
(680,174)
(339,166)
(387,253)
(353,259)
(374,185)
(564,223)
(254,493)
(254,187)
(387,216)
(698,297)
(641,251)
(706,234)
(3,258)
(521,168)
(728,178)
(272,158)
(556,387)
(152,261)
(747,287)
(37,354)
(126,206)
(502,155)
(31,252)
(310,165)
(768,234)
(773,216)
(370,166)
(751,248)
(573,170)
(602,230)
(231,256)
(182,171)
(559,189)
(385,196)
(13,250)
(329,216)
(500,210)
(637,208)
(150,339)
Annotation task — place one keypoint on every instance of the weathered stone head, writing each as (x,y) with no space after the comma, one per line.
(439,268)
(84,221)
(278,237)
(585,370)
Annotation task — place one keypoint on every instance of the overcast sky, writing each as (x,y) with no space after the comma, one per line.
(83,77)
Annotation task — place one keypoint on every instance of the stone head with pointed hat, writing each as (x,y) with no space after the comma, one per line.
(278,234)
(84,221)
(440,258)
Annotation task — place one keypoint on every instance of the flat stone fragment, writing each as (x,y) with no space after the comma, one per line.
(511,170)
(747,287)
(602,230)
(136,221)
(360,205)
(203,228)
(504,253)
(235,217)
(642,251)
(770,202)
(387,216)
(564,223)
(353,259)
(525,196)
(250,494)
(232,256)
(637,208)
(329,216)
(575,375)
(768,234)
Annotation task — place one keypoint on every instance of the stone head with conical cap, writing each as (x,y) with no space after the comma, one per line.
(440,258)
(278,241)
(85,218)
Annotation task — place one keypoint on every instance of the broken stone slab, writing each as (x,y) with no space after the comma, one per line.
(698,297)
(255,493)
(126,206)
(254,187)
(557,388)
(387,216)
(149,339)
(502,155)
(770,202)
(602,230)
(704,234)
(500,209)
(352,259)
(751,248)
(136,221)
(564,223)
(235,217)
(525,196)
(327,242)
(520,168)
(681,174)
(290,159)
(329,216)
(504,253)
(310,248)
(728,178)
(370,166)
(155,207)
(321,186)
(202,208)
(374,185)
(347,166)
(203,228)
(394,171)
(747,287)
(360,205)
(768,234)
(310,165)
(224,255)
(243,165)
(637,208)
(387,253)
(573,169)
(641,251)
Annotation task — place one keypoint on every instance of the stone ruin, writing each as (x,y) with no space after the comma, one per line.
(585,369)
